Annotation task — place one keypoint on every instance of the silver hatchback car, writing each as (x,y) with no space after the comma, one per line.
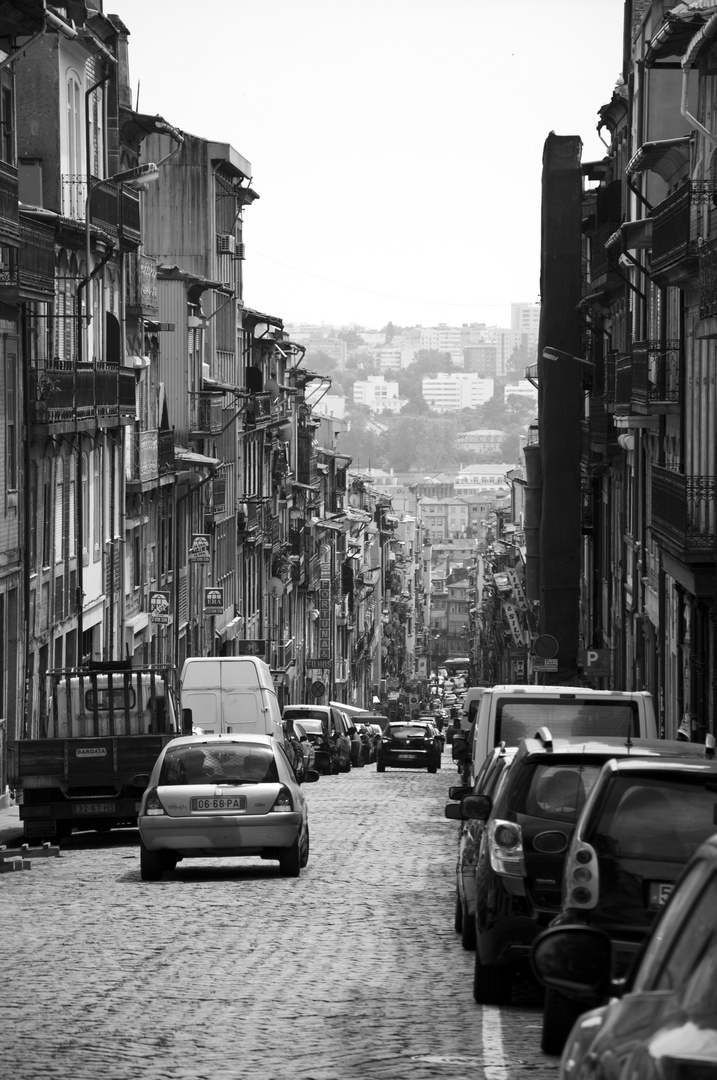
(223,796)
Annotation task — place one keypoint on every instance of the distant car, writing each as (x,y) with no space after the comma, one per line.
(469,841)
(409,745)
(331,740)
(366,735)
(438,734)
(223,796)
(662,1021)
(299,748)
(643,820)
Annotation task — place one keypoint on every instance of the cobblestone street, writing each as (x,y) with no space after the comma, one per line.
(226,969)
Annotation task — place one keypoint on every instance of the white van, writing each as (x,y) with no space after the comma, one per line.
(229,695)
(509,713)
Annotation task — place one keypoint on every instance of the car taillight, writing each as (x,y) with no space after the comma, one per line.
(505,845)
(284,803)
(581,883)
(153,806)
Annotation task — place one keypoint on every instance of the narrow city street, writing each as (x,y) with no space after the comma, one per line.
(226,969)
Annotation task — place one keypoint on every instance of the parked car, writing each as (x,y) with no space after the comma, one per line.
(408,744)
(469,841)
(299,748)
(349,729)
(223,796)
(332,743)
(529,825)
(643,820)
(439,736)
(661,1022)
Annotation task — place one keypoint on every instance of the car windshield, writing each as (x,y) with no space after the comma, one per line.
(550,790)
(312,727)
(656,816)
(571,716)
(219,763)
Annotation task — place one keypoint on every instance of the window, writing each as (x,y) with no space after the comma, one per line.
(96,506)
(46,519)
(11,425)
(85,496)
(7,134)
(59,495)
(136,558)
(33,516)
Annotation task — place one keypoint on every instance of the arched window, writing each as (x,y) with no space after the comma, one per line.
(75,186)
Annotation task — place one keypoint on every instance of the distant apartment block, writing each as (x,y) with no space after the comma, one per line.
(378,394)
(522,389)
(456,390)
(525,321)
(482,441)
(330,405)
(395,357)
(320,339)
(444,339)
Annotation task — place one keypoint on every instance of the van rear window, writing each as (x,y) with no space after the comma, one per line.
(516,720)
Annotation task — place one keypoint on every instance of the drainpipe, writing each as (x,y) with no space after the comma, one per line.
(704,36)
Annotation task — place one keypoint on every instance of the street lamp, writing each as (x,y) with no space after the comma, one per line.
(549,353)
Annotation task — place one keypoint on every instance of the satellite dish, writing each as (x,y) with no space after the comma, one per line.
(276,586)
(272,387)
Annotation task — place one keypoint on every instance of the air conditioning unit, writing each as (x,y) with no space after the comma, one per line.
(239,251)
(226,244)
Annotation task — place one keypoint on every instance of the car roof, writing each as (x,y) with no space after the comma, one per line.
(233,737)
(574,691)
(602,744)
(666,765)
(305,708)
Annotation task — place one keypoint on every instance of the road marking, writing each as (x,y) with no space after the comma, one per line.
(494,1066)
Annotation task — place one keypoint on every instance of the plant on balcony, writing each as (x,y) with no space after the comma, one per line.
(46,385)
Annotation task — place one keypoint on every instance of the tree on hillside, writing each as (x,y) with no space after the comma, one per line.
(319,361)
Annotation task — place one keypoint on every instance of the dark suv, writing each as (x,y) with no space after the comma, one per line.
(528,830)
(642,822)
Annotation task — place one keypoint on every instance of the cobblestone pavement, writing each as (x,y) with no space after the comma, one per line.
(224,969)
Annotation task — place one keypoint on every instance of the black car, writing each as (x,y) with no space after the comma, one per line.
(409,744)
(643,820)
(662,1020)
(519,870)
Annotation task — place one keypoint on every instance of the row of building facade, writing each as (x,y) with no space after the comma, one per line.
(169,490)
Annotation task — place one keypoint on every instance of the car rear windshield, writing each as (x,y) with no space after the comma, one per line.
(304,714)
(406,731)
(656,816)
(571,716)
(312,727)
(551,789)
(219,763)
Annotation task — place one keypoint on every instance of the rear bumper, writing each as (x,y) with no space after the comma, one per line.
(407,759)
(230,833)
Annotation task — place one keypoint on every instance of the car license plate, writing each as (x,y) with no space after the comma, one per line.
(405,757)
(236,803)
(659,893)
(93,808)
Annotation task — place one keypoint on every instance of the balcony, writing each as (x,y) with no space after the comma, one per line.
(9,207)
(206,414)
(675,231)
(683,512)
(114,208)
(84,394)
(283,654)
(216,507)
(142,457)
(647,380)
(28,272)
(142,286)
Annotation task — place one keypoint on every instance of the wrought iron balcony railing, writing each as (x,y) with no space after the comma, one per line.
(102,394)
(683,509)
(206,413)
(675,231)
(9,206)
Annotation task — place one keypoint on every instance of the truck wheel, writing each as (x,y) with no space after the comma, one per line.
(290,860)
(151,864)
(559,1015)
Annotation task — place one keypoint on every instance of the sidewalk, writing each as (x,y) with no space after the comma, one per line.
(11,831)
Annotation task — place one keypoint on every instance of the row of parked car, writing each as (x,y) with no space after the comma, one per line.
(325,738)
(569,849)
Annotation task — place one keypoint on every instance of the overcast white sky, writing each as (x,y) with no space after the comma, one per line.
(396,145)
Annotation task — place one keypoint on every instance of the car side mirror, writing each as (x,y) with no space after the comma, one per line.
(576,960)
(311,776)
(476,806)
(453,812)
(459,793)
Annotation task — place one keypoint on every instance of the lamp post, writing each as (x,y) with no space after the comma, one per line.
(549,353)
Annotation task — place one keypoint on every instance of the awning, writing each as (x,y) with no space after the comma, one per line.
(664,157)
(678,28)
(632,235)
(326,523)
(136,126)
(190,459)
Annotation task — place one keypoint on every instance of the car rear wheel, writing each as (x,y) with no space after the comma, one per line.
(492,983)
(433,767)
(468,930)
(458,915)
(305,848)
(559,1015)
(151,864)
(380,767)
(290,860)
(346,767)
